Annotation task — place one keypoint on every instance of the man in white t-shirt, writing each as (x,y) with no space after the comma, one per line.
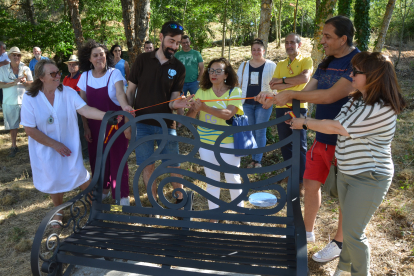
(14,78)
(4,60)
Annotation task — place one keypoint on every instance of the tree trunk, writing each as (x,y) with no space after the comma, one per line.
(185,9)
(404,13)
(361,23)
(294,17)
(76,22)
(344,8)
(142,18)
(280,24)
(265,20)
(384,26)
(29,11)
(223,41)
(324,13)
(128,15)
(276,25)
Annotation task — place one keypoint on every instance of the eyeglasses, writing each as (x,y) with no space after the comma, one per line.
(176,26)
(211,71)
(54,74)
(356,72)
(258,40)
(16,55)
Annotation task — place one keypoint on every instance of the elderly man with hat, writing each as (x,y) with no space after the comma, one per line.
(72,81)
(14,78)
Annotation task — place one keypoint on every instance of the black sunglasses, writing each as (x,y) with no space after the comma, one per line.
(176,26)
(53,74)
(356,72)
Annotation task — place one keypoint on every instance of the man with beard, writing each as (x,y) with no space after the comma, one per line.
(159,77)
(37,57)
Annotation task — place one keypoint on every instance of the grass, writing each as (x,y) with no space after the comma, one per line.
(390,232)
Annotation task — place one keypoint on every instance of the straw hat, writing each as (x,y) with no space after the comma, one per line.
(14,50)
(73,58)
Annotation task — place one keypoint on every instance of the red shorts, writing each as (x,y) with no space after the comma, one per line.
(318,161)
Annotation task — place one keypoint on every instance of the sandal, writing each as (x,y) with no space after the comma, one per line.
(251,165)
(55,222)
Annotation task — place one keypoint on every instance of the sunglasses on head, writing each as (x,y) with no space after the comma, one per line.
(258,40)
(54,74)
(176,26)
(356,72)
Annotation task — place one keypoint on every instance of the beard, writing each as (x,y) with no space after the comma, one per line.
(37,56)
(166,51)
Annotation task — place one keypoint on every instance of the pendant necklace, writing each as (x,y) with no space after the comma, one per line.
(50,120)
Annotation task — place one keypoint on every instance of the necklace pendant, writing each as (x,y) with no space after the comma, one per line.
(50,120)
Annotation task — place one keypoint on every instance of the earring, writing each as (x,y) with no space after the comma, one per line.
(91,66)
(106,66)
(225,80)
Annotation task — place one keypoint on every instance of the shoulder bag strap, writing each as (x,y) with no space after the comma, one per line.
(244,66)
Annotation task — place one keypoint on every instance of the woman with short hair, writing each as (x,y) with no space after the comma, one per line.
(365,127)
(50,120)
(219,81)
(102,87)
(254,77)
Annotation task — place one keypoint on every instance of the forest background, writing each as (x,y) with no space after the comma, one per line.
(226,28)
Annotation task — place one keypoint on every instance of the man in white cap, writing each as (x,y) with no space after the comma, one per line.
(37,57)
(14,78)
(72,81)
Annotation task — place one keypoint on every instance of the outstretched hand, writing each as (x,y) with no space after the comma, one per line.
(182,102)
(265,98)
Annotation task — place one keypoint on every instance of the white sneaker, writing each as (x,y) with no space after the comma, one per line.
(310,237)
(330,252)
(125,201)
(339,272)
(106,195)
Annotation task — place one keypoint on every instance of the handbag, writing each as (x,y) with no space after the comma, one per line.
(242,139)
(330,187)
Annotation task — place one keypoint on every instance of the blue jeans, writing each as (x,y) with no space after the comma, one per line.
(146,149)
(284,131)
(256,114)
(191,87)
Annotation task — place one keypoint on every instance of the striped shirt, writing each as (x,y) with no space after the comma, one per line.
(371,129)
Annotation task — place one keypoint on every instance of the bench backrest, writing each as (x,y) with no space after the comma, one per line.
(281,214)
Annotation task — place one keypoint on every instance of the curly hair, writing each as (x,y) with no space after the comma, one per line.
(231,80)
(84,54)
(37,84)
(381,80)
(113,48)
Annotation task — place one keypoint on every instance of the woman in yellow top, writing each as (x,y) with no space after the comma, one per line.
(219,81)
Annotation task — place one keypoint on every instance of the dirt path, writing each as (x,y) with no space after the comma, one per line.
(390,233)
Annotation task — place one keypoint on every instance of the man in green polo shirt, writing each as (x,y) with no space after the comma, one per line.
(194,65)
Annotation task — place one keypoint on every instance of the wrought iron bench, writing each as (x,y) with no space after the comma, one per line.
(270,241)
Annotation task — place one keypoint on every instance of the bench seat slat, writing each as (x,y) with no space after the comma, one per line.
(235,268)
(231,236)
(198,225)
(173,239)
(211,255)
(186,246)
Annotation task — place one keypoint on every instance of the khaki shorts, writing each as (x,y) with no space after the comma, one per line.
(11,115)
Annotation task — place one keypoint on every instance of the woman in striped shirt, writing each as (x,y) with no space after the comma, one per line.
(365,128)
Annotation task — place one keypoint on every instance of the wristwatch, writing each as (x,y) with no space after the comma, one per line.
(305,124)
(283,80)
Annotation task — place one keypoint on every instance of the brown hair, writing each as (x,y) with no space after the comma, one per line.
(231,80)
(37,84)
(381,83)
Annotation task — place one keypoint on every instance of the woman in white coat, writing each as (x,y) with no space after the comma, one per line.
(49,118)
(254,76)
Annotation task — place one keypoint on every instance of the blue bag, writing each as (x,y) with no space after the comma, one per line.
(243,139)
